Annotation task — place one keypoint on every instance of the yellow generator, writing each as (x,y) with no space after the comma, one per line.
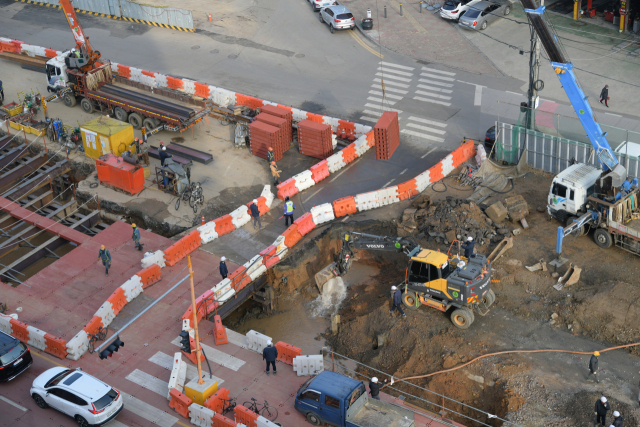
(104,135)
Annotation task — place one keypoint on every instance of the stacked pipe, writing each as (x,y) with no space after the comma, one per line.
(315,139)
(387,135)
(262,136)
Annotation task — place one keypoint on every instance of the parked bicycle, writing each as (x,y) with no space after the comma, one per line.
(100,335)
(269,412)
(197,196)
(228,405)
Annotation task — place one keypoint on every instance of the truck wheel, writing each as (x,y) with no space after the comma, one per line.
(121,114)
(149,123)
(489,298)
(86,105)
(410,300)
(569,221)
(135,120)
(461,318)
(313,419)
(602,238)
(69,99)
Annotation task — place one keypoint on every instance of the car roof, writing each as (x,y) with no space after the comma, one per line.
(339,9)
(336,385)
(7,342)
(82,384)
(482,4)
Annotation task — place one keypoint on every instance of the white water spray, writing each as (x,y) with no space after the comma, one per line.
(328,302)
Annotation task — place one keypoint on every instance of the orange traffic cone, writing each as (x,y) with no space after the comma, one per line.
(210,17)
(203,220)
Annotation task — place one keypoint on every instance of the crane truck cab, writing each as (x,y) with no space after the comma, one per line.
(570,190)
(56,70)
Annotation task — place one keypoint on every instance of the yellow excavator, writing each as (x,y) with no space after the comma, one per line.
(447,282)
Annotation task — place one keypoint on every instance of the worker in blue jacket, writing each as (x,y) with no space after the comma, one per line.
(288,211)
(397,301)
(270,354)
(105,256)
(224,272)
(468,247)
(136,237)
(255,214)
(1,92)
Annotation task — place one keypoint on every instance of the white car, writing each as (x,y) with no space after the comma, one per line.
(454,9)
(316,5)
(84,398)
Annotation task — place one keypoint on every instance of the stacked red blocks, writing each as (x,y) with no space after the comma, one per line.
(262,136)
(315,139)
(387,135)
(283,113)
(280,124)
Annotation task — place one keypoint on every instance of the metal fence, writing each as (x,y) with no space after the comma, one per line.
(551,153)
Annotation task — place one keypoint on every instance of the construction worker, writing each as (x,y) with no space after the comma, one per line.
(270,156)
(1,92)
(374,388)
(270,354)
(602,406)
(468,247)
(136,145)
(275,173)
(164,155)
(224,272)
(143,154)
(593,367)
(255,213)
(136,237)
(288,211)
(617,419)
(397,301)
(105,256)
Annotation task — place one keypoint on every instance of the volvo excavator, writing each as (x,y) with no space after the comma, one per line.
(447,282)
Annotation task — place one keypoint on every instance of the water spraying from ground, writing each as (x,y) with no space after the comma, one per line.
(328,302)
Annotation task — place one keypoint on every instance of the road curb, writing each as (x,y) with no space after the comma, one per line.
(117,18)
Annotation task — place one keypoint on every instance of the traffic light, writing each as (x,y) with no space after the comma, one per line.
(185,342)
(114,346)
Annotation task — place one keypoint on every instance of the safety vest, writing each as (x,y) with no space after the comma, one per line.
(136,234)
(288,207)
(104,255)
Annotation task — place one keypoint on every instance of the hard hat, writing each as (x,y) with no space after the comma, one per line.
(273,163)
(374,380)
(286,198)
(616,413)
(161,143)
(164,148)
(470,239)
(603,399)
(269,343)
(393,288)
(255,201)
(596,353)
(270,148)
(102,247)
(223,259)
(136,138)
(133,225)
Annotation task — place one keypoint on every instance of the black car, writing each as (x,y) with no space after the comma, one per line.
(489,140)
(15,357)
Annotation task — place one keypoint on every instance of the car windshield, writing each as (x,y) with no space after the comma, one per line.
(12,354)
(472,13)
(449,5)
(55,380)
(345,16)
(105,400)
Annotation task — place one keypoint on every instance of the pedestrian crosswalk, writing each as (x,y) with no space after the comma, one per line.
(394,82)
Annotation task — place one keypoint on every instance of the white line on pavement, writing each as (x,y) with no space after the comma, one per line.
(217,356)
(477,99)
(12,403)
(148,412)
(429,152)
(402,79)
(115,423)
(389,64)
(373,113)
(386,101)
(426,129)
(611,114)
(433,76)
(435,83)
(402,173)
(388,95)
(393,83)
(313,194)
(515,93)
(435,95)
(391,70)
(377,107)
(390,89)
(429,122)
(437,89)
(387,184)
(149,382)
(433,101)
(438,71)
(343,171)
(369,119)
(422,135)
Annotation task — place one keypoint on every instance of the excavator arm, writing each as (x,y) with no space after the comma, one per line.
(88,56)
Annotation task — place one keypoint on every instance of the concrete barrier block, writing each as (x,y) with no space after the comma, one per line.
(322,213)
(304,180)
(447,165)
(5,324)
(132,288)
(151,258)
(105,312)
(240,216)
(77,346)
(263,422)
(207,232)
(268,195)
(308,364)
(257,341)
(36,338)
(201,416)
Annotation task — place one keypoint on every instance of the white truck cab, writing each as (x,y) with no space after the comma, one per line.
(57,72)
(569,191)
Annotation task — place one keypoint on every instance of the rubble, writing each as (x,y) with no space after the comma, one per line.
(517,207)
(497,212)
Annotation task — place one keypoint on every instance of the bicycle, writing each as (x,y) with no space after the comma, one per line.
(269,412)
(100,335)
(196,197)
(230,407)
(185,195)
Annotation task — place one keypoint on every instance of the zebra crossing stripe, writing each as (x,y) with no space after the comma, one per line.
(386,83)
(391,70)
(389,64)
(433,70)
(422,135)
(388,95)
(386,76)
(435,95)
(434,76)
(437,89)
(433,101)
(428,122)
(426,129)
(431,82)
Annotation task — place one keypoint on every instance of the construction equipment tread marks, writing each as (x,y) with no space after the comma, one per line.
(462,317)
(603,238)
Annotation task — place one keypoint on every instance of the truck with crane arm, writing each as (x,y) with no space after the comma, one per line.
(583,196)
(79,75)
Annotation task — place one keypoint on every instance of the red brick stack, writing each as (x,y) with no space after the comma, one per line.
(261,137)
(283,113)
(279,123)
(387,135)
(315,139)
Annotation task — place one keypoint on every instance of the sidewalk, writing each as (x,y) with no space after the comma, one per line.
(424,36)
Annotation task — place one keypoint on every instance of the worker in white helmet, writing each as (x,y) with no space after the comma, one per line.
(375,386)
(617,419)
(468,247)
(397,301)
(601,409)
(270,354)
(224,271)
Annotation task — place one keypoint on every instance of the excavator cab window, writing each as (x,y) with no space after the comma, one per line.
(419,272)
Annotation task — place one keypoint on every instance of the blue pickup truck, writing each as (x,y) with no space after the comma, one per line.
(337,400)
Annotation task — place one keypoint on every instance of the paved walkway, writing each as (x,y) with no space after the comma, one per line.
(424,36)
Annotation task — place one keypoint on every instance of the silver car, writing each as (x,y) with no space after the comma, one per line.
(338,18)
(483,13)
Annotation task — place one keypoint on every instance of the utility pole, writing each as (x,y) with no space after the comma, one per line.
(195,324)
(535,84)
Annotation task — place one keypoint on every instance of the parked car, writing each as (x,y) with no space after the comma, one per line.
(483,13)
(454,9)
(15,357)
(316,5)
(338,18)
(84,398)
(490,139)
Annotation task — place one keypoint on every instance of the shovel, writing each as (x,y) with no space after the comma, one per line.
(571,277)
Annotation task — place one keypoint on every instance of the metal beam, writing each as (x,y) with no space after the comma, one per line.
(22,170)
(39,180)
(26,260)
(12,154)
(26,205)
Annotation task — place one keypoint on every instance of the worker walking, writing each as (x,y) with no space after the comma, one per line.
(105,256)
(617,419)
(288,211)
(397,301)
(602,406)
(270,354)
(255,213)
(375,386)
(604,95)
(224,272)
(136,237)
(1,92)
(270,156)
(275,173)
(468,247)
(593,367)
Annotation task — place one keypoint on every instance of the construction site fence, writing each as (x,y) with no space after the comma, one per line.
(128,9)
(549,152)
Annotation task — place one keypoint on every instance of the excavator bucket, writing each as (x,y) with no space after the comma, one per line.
(324,275)
(504,246)
(571,277)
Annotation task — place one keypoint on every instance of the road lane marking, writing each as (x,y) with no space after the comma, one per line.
(434,76)
(402,79)
(402,173)
(429,152)
(435,95)
(422,135)
(393,83)
(390,89)
(12,403)
(35,353)
(148,412)
(611,114)
(385,186)
(343,171)
(429,122)
(438,71)
(437,89)
(435,83)
(313,194)
(391,70)
(377,107)
(364,45)
(388,95)
(426,129)
(217,356)
(149,382)
(385,101)
(368,119)
(389,64)
(477,99)
(515,93)
(433,101)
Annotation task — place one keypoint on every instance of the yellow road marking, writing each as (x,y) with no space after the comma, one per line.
(363,44)
(35,353)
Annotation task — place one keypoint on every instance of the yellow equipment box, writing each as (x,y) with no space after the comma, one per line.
(104,135)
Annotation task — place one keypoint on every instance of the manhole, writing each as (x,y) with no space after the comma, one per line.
(214,51)
(232,56)
(195,47)
(300,55)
